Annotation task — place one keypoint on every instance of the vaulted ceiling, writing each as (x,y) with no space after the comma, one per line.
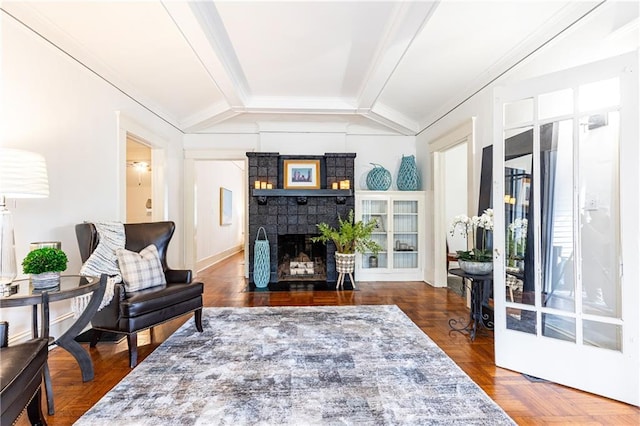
(364,66)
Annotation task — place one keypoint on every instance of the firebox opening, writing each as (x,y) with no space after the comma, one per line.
(300,259)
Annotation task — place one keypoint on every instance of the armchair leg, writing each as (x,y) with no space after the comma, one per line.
(132,342)
(198,318)
(34,409)
(95,336)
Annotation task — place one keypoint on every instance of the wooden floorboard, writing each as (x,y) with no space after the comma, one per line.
(528,403)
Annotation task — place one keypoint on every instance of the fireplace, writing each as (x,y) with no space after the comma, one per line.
(290,216)
(300,259)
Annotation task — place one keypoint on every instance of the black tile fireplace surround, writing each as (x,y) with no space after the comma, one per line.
(282,214)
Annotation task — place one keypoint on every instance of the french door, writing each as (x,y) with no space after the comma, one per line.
(565,193)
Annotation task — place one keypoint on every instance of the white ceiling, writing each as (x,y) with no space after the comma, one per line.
(360,66)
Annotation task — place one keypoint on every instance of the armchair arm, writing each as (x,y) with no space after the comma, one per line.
(178,275)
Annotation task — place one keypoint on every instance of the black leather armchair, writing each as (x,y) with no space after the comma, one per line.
(130,312)
(21,378)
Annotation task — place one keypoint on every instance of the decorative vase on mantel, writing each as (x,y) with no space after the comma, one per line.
(45,280)
(408,174)
(476,268)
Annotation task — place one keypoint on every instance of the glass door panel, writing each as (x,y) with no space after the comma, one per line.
(558,288)
(599,213)
(376,210)
(405,234)
(518,175)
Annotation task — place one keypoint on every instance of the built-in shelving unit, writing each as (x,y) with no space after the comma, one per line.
(400,232)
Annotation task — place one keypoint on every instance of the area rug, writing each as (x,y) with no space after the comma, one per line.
(334,365)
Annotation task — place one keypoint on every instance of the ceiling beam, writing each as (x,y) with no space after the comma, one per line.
(391,119)
(202,28)
(404,26)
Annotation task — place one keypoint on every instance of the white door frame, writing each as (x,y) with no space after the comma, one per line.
(461,134)
(127,125)
(614,374)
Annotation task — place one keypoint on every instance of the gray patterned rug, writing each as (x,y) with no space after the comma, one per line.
(334,365)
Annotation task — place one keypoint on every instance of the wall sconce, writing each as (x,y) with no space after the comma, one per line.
(23,174)
(140,167)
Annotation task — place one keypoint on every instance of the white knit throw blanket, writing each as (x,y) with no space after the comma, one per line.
(103,260)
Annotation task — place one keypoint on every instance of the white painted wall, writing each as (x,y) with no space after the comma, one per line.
(456,192)
(385,150)
(212,239)
(52,105)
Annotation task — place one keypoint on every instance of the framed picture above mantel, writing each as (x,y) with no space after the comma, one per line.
(301,174)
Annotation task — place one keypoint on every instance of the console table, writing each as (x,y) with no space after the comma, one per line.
(22,293)
(477,319)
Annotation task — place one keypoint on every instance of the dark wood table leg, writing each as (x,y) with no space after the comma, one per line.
(48,387)
(67,341)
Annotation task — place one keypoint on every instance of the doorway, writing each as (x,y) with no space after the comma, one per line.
(453,169)
(139,183)
(207,239)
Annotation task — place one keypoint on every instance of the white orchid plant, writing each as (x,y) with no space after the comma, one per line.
(470,226)
(516,239)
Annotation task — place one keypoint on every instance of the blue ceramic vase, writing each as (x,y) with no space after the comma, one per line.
(378,179)
(408,174)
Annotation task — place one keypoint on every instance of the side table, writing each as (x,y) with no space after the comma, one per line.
(22,293)
(477,319)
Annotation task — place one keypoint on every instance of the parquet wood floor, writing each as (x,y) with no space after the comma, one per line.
(528,403)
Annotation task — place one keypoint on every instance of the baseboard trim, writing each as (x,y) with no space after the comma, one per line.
(212,260)
(54,329)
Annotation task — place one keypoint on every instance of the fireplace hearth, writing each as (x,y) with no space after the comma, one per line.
(300,259)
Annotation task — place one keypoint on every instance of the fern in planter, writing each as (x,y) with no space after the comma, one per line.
(45,259)
(350,236)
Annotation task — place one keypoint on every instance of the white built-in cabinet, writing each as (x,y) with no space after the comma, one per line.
(400,231)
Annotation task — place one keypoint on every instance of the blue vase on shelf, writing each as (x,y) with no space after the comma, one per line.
(408,174)
(378,179)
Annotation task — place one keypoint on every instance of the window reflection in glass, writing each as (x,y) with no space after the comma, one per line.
(602,335)
(559,327)
(599,214)
(521,320)
(556,213)
(518,180)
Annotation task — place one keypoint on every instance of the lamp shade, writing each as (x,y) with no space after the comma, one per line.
(23,174)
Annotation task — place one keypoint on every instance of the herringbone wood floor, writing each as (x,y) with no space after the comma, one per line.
(430,308)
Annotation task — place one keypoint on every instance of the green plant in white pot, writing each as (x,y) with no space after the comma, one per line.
(350,237)
(44,265)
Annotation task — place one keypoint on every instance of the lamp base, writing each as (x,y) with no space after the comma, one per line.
(8,270)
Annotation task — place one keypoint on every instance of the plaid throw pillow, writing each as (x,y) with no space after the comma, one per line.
(140,270)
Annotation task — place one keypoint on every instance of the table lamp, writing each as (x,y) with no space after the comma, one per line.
(23,174)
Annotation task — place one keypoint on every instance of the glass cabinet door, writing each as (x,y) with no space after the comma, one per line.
(376,210)
(405,234)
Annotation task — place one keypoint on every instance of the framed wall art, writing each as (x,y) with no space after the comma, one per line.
(301,174)
(226,206)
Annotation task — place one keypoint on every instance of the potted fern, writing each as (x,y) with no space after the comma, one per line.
(44,265)
(349,237)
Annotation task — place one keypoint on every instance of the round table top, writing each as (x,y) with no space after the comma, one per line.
(22,293)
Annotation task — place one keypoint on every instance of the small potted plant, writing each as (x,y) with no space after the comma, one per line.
(45,265)
(350,237)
